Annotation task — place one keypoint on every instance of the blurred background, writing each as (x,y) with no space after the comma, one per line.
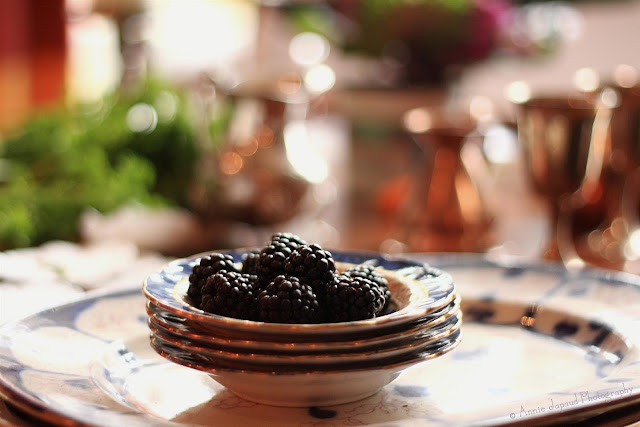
(179,126)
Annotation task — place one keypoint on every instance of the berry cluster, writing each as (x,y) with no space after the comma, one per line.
(287,281)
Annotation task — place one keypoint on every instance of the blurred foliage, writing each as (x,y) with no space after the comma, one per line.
(567,1)
(430,36)
(132,148)
(433,41)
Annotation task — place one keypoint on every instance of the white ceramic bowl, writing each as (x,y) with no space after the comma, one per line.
(311,387)
(308,364)
(417,290)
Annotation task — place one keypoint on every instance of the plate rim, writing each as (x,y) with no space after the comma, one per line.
(163,278)
(40,410)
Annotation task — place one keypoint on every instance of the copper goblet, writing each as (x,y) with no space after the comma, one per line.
(609,187)
(444,209)
(556,134)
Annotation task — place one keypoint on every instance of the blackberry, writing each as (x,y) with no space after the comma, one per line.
(369,272)
(272,257)
(287,300)
(250,262)
(353,298)
(231,294)
(313,265)
(289,239)
(206,267)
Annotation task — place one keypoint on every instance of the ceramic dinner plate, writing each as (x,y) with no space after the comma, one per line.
(540,345)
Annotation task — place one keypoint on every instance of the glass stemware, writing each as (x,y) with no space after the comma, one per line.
(261,173)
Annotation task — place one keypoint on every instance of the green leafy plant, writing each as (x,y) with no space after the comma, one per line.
(131,148)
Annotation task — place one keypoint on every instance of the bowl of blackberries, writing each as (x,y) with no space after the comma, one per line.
(294,324)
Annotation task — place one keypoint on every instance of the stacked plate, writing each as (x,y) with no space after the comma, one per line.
(308,364)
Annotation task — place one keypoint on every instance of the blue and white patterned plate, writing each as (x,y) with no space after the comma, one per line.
(302,342)
(540,345)
(217,358)
(177,328)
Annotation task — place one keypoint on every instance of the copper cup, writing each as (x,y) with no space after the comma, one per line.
(445,210)
(609,187)
(556,135)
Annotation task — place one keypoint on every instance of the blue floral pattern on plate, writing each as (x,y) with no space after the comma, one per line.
(541,344)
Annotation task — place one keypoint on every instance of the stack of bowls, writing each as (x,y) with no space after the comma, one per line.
(307,364)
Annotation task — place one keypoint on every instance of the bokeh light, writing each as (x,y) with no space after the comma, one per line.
(319,79)
(586,79)
(481,108)
(500,144)
(248,147)
(308,49)
(518,92)
(166,105)
(230,163)
(626,75)
(142,118)
(417,120)
(301,154)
